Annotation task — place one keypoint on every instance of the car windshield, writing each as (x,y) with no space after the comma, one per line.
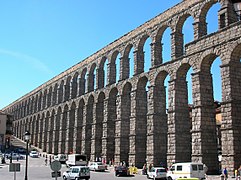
(99,163)
(34,152)
(84,170)
(161,170)
(121,167)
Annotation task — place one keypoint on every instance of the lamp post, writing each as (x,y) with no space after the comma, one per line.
(26,138)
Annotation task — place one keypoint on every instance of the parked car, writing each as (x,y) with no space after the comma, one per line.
(157,173)
(97,166)
(14,156)
(62,158)
(121,171)
(34,154)
(77,172)
(21,151)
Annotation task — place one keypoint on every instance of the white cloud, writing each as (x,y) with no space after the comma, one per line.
(34,62)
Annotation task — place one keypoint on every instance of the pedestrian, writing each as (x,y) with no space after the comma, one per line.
(225,173)
(150,168)
(144,169)
(239,171)
(236,174)
(46,161)
(50,159)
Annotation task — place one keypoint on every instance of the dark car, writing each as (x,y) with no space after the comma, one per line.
(121,171)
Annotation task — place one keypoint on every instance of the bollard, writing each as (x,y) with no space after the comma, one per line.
(3,161)
(222,177)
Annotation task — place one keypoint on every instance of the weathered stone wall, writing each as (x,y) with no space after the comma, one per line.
(128,120)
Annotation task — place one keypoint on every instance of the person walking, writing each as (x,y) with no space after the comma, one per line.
(225,173)
(46,161)
(50,159)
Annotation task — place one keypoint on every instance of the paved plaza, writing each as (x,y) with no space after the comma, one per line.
(37,170)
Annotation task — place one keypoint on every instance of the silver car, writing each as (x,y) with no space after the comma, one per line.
(97,166)
(77,172)
(157,173)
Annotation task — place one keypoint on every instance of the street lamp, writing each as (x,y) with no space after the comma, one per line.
(26,138)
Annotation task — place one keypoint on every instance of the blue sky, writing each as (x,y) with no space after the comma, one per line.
(42,38)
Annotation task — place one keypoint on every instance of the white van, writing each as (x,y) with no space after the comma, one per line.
(186,170)
(77,160)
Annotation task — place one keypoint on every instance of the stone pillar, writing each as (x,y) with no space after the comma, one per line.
(78,129)
(39,131)
(57,122)
(138,62)
(104,138)
(83,150)
(118,134)
(88,126)
(100,77)
(204,136)
(122,127)
(179,137)
(81,86)
(59,129)
(76,148)
(124,68)
(74,88)
(111,75)
(200,28)
(32,131)
(44,105)
(156,126)
(66,91)
(55,95)
(93,135)
(90,82)
(45,132)
(137,154)
(231,113)
(156,54)
(177,44)
(40,102)
(108,130)
(70,130)
(63,135)
(50,135)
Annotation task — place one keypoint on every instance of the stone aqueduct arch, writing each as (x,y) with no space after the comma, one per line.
(128,120)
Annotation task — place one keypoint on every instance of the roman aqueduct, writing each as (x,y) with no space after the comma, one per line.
(81,111)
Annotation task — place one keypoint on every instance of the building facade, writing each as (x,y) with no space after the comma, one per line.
(6,124)
(81,111)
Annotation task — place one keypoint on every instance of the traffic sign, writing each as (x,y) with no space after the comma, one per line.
(14,167)
(55,165)
(56,174)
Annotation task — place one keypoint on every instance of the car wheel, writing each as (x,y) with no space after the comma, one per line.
(76,178)
(169,178)
(64,178)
